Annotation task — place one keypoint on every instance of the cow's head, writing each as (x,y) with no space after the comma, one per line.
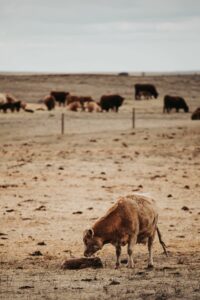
(92,243)
(156,94)
(186,108)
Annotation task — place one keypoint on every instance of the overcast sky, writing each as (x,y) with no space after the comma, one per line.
(99,35)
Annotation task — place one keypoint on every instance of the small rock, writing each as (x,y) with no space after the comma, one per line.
(186,187)
(42,207)
(77,212)
(185,208)
(41,244)
(26,287)
(36,253)
(124,145)
(114,282)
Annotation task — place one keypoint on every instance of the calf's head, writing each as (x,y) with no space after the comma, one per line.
(92,243)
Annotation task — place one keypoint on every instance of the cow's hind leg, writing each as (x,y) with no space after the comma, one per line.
(118,253)
(150,249)
(131,244)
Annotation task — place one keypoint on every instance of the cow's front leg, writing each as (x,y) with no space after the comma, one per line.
(118,253)
(131,244)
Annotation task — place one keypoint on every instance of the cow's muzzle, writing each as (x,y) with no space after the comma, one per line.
(86,254)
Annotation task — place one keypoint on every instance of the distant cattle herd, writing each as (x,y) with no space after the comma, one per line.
(106,102)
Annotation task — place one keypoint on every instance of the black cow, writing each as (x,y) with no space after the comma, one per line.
(60,97)
(112,102)
(49,101)
(171,102)
(17,105)
(146,90)
(196,114)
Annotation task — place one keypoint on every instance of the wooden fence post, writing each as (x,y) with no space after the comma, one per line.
(62,123)
(133,118)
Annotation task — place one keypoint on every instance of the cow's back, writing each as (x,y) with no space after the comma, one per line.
(143,207)
(131,214)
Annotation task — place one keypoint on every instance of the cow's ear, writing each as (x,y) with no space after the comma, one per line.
(89,233)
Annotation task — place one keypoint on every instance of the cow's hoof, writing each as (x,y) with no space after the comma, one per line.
(150,267)
(130,266)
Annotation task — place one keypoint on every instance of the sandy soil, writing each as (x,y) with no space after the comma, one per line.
(46,178)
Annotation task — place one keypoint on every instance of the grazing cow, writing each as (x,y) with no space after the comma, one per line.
(123,74)
(196,114)
(112,102)
(60,97)
(10,98)
(171,102)
(17,105)
(146,90)
(85,99)
(81,99)
(92,106)
(50,102)
(133,219)
(3,98)
(74,106)
(72,98)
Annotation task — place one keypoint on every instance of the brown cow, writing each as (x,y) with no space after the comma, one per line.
(10,98)
(50,102)
(112,102)
(133,219)
(3,98)
(81,99)
(72,98)
(85,99)
(196,114)
(92,106)
(74,106)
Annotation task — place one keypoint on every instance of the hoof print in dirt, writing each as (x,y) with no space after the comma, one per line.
(81,263)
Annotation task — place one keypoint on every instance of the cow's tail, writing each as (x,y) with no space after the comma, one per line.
(161,241)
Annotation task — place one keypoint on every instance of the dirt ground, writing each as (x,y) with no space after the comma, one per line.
(52,187)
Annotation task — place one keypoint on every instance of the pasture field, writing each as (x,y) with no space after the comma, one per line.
(54,186)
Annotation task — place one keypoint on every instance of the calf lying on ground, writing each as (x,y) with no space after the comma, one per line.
(133,219)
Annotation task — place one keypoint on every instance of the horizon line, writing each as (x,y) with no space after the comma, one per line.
(131,73)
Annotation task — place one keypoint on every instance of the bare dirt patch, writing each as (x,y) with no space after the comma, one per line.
(52,187)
